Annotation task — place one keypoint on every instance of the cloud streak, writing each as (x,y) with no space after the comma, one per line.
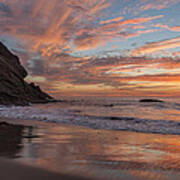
(112,74)
(60,41)
(48,25)
(154,47)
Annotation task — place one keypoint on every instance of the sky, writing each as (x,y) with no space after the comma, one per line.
(96,47)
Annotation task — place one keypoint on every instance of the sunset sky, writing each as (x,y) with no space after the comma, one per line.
(96,47)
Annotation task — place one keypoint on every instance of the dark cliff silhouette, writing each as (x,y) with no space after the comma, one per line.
(13,89)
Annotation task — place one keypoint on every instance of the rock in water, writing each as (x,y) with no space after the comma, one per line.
(151,100)
(13,89)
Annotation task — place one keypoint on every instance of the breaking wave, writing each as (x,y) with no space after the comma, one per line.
(76,117)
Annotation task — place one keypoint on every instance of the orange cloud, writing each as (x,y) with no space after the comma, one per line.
(111,20)
(140,20)
(175,28)
(97,36)
(176,54)
(172,28)
(134,21)
(51,30)
(48,30)
(88,42)
(45,25)
(156,46)
(145,5)
(119,75)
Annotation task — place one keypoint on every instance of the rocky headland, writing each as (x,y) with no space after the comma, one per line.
(14,90)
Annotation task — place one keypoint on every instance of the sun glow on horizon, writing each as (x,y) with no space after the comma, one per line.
(97,47)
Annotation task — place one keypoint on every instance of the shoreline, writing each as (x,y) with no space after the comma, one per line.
(94,154)
(100,116)
(10,165)
(16,171)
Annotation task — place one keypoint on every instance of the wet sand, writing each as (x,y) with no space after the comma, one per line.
(94,154)
(12,170)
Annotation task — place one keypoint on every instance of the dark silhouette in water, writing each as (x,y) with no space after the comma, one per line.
(150,100)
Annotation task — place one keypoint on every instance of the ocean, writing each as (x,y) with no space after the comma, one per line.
(140,141)
(113,113)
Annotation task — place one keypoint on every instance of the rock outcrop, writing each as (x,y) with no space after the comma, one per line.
(14,90)
(150,100)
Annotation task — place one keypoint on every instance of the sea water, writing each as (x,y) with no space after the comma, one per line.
(113,113)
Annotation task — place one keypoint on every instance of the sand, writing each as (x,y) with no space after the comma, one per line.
(12,170)
(37,150)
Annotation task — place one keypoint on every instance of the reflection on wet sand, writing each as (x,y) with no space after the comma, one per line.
(102,154)
(11,139)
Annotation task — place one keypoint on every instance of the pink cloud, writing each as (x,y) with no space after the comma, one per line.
(156,46)
(111,20)
(164,26)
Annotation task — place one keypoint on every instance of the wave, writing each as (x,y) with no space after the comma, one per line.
(106,104)
(57,115)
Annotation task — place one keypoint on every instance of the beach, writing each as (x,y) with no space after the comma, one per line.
(87,153)
(89,89)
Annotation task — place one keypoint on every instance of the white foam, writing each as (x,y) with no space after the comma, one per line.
(98,122)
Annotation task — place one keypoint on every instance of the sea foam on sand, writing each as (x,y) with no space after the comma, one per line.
(57,115)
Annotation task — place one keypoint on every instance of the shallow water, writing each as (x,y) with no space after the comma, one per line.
(101,154)
(114,113)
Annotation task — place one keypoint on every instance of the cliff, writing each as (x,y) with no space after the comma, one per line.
(14,90)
